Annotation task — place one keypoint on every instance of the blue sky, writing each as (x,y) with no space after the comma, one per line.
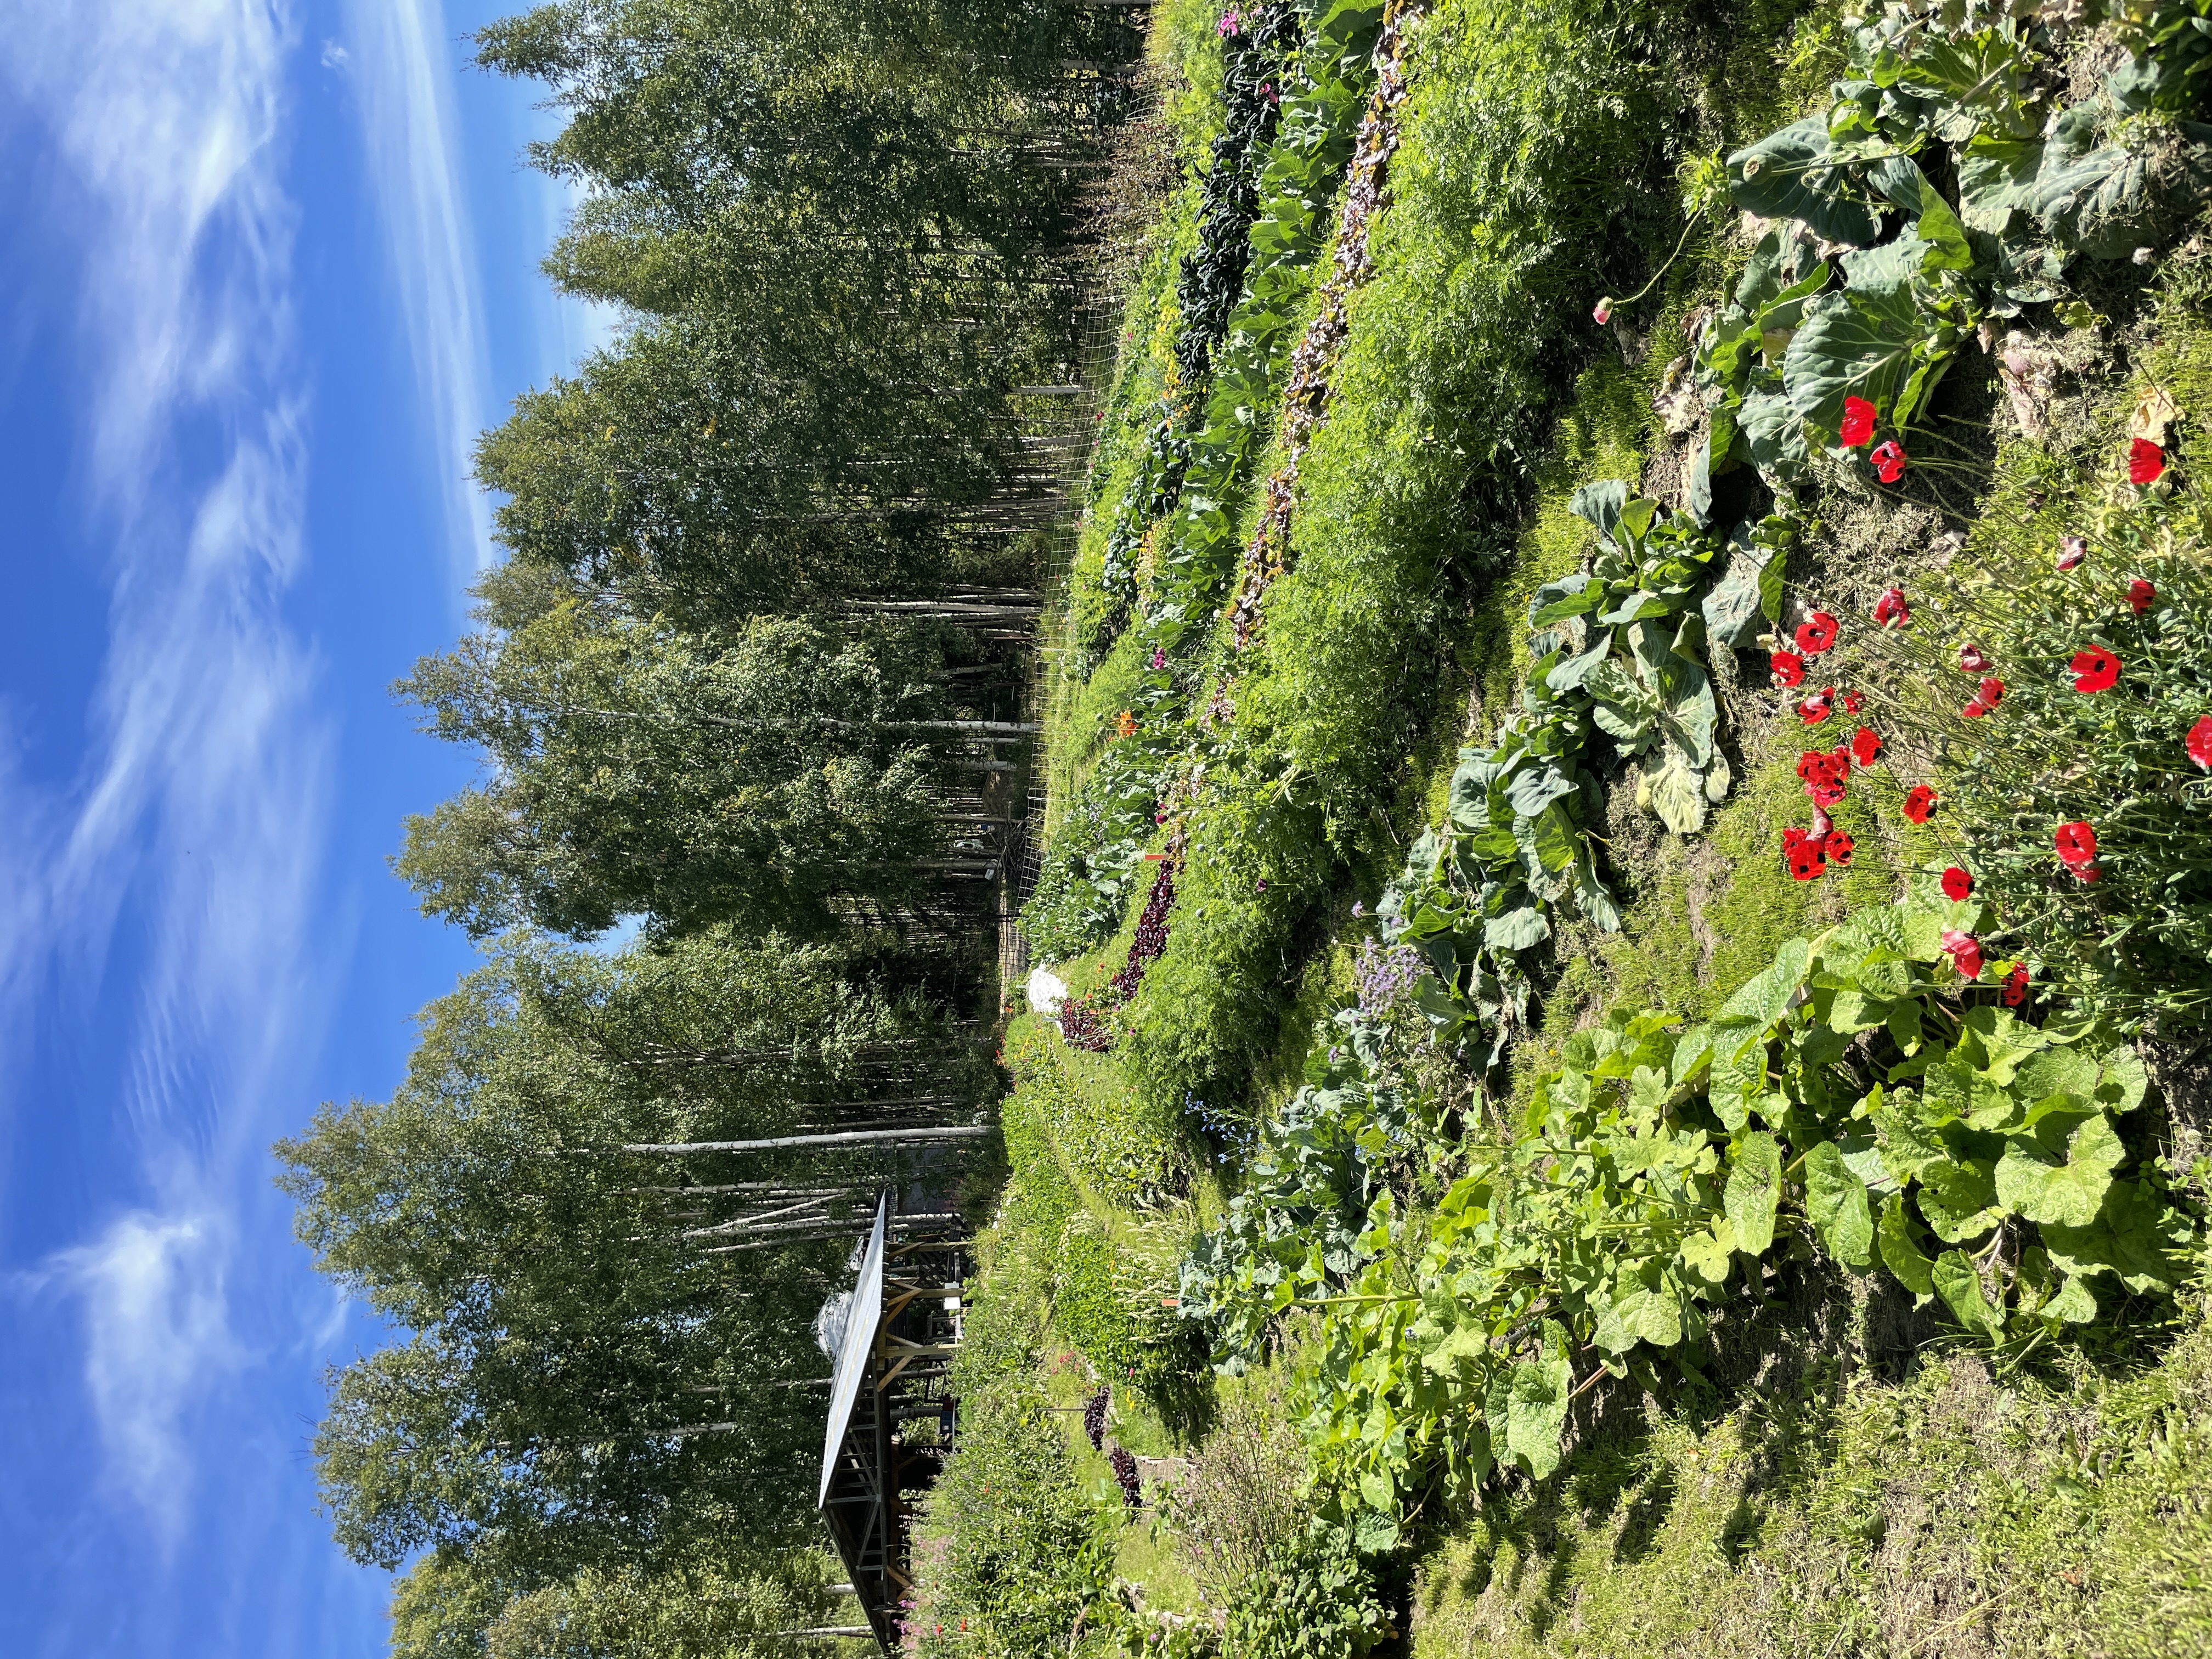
(265,268)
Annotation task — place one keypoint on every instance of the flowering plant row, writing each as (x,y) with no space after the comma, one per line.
(1618,652)
(1861,1099)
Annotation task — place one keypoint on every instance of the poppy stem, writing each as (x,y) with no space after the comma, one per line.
(1682,243)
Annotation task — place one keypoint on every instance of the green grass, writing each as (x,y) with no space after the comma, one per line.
(2054,1511)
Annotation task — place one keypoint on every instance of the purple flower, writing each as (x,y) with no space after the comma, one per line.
(1159,659)
(1359,906)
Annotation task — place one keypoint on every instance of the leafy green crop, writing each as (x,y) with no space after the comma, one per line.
(1617,654)
(1856,1100)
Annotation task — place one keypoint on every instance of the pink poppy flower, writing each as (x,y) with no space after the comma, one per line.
(1971,661)
(1966,952)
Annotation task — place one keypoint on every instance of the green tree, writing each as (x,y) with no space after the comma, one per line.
(639,770)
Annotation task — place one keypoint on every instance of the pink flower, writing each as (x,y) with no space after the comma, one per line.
(1602,313)
(2072,550)
(1971,661)
(1966,952)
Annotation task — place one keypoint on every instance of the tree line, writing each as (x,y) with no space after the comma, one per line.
(748,680)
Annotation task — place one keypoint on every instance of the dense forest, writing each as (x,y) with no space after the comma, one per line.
(1485,726)
(749,684)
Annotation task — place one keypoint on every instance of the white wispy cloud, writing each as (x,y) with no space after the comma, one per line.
(399,52)
(202,813)
(157,1334)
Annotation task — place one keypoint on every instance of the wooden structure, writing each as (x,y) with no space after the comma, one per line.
(902,1328)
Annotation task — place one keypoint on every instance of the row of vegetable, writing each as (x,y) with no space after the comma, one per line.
(1937,1091)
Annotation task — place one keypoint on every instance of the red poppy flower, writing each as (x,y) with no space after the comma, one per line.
(1866,746)
(1965,952)
(1851,701)
(1812,766)
(1792,839)
(2200,742)
(1957,886)
(1808,861)
(1826,794)
(1970,659)
(2146,460)
(2095,669)
(1840,847)
(2072,550)
(1788,668)
(1815,708)
(1889,461)
(2076,843)
(2015,986)
(1920,803)
(2086,873)
(1990,694)
(2141,595)
(1816,633)
(1890,611)
(1858,422)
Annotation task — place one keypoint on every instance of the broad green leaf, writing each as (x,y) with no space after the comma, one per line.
(1536,787)
(2122,1080)
(1600,503)
(1904,1023)
(1518,930)
(1900,1250)
(1678,792)
(2074,1303)
(1959,1199)
(2065,1073)
(1852,345)
(1835,1201)
(1765,997)
(1854,1011)
(1960,1287)
(2137,1234)
(1996,175)
(2091,191)
(1754,1187)
(1707,1252)
(1899,178)
(2069,1191)
(1570,673)
(1639,1314)
(1772,178)
(1536,1406)
(1888,271)
(2006,1039)
(1775,433)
